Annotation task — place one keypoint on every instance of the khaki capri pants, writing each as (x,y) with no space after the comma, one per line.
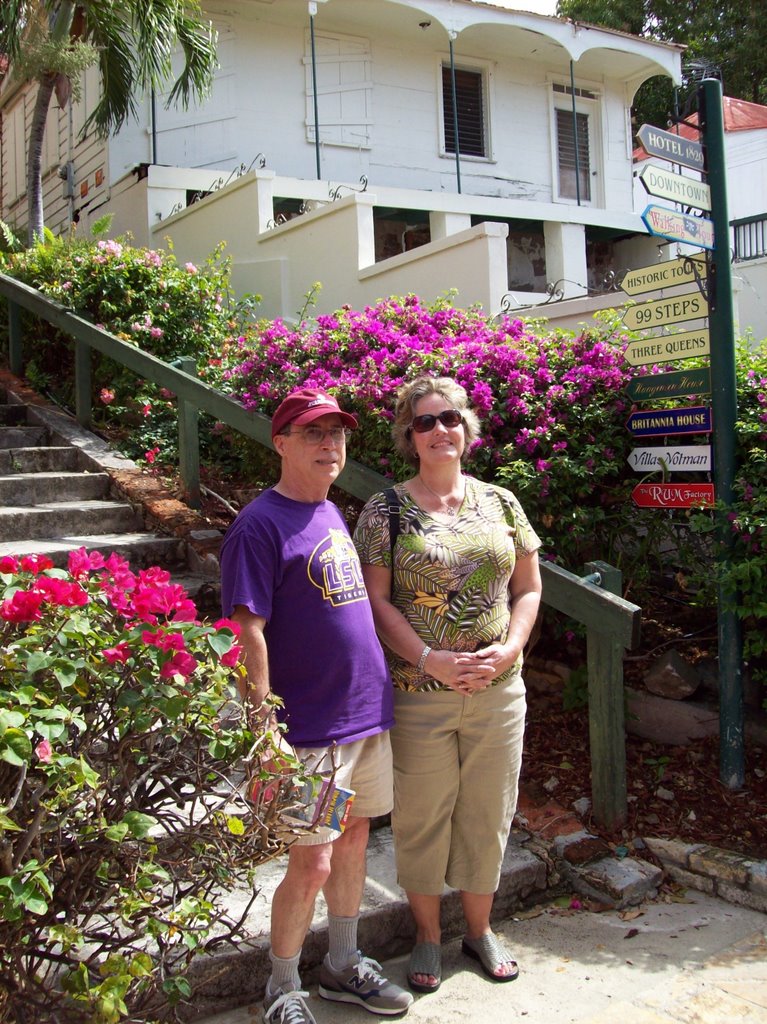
(456,780)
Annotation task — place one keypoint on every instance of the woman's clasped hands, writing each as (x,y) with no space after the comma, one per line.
(467,672)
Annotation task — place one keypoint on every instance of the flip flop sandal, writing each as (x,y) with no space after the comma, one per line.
(491,955)
(426,958)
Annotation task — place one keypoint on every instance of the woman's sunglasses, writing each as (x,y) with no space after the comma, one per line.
(448,418)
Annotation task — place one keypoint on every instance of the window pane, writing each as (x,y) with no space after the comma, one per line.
(566,135)
(471,115)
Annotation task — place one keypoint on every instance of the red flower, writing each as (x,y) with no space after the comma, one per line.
(232,656)
(229,624)
(36,563)
(24,606)
(81,562)
(118,654)
(181,664)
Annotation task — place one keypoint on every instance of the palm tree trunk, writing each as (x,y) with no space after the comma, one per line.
(35,157)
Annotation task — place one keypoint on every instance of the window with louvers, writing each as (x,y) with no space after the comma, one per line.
(471,113)
(566,131)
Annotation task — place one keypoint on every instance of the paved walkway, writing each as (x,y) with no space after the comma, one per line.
(692,960)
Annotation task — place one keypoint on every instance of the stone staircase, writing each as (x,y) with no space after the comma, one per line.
(58,493)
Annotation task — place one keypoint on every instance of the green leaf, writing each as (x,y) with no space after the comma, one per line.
(36,661)
(236,826)
(139,824)
(16,748)
(10,719)
(116,833)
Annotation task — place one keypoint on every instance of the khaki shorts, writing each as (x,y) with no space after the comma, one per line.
(456,773)
(364,766)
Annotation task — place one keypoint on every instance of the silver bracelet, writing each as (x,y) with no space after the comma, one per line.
(422,660)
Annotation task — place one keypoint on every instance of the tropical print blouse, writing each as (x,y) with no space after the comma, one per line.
(451,574)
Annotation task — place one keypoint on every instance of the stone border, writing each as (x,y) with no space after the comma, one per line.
(730,876)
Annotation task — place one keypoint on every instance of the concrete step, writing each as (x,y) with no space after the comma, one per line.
(22,437)
(40,488)
(61,519)
(11,415)
(39,460)
(140,549)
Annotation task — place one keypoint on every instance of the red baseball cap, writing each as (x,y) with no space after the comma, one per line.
(306,405)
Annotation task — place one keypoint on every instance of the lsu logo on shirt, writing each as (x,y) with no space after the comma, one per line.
(334,568)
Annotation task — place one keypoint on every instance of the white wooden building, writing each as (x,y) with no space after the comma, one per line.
(327,152)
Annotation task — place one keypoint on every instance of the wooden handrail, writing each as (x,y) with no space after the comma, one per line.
(612,624)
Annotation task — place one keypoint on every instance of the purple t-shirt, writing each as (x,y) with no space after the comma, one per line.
(294,563)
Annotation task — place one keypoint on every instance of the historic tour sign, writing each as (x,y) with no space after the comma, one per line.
(664,275)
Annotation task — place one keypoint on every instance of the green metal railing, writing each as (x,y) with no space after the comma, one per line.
(612,624)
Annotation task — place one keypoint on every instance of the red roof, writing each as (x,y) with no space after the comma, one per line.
(739,116)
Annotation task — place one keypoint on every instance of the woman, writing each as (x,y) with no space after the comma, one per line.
(454,600)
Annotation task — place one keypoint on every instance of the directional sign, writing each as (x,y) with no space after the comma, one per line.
(669,146)
(679,187)
(673,495)
(691,458)
(659,312)
(666,347)
(664,275)
(676,384)
(679,227)
(655,422)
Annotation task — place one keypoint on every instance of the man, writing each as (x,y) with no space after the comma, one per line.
(292,579)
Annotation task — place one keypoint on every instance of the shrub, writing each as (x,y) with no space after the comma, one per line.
(122,818)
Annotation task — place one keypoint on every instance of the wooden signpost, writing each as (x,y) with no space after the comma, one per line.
(669,146)
(667,347)
(675,384)
(660,312)
(663,275)
(678,187)
(673,495)
(679,227)
(690,458)
(696,419)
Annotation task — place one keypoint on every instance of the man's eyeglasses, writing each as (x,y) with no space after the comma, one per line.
(316,435)
(448,418)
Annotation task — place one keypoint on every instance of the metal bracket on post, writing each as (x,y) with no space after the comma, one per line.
(189,439)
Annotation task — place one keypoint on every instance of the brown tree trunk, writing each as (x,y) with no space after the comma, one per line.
(35,157)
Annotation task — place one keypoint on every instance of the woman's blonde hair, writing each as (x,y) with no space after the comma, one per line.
(411,394)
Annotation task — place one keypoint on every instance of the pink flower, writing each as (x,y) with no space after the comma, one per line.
(36,563)
(24,606)
(229,624)
(181,664)
(190,268)
(62,592)
(107,395)
(232,656)
(81,562)
(152,454)
(9,564)
(118,654)
(44,751)
(146,410)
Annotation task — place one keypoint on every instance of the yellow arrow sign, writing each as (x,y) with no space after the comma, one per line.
(659,312)
(664,275)
(667,347)
(678,187)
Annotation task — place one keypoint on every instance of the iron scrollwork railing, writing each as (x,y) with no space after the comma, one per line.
(555,292)
(335,193)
